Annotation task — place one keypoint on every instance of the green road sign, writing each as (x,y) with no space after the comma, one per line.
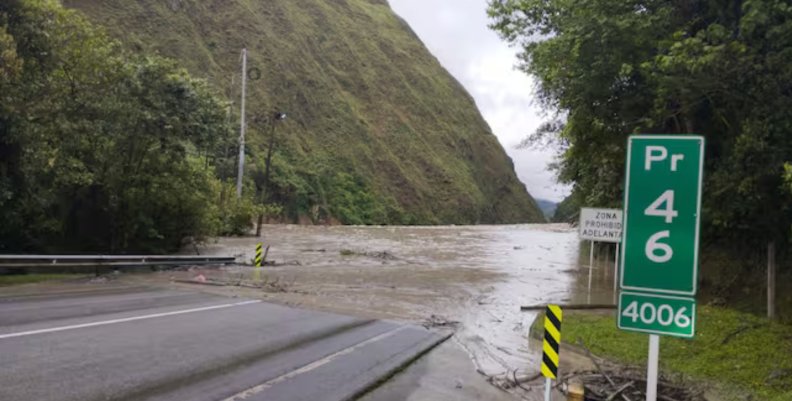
(662,204)
(657,314)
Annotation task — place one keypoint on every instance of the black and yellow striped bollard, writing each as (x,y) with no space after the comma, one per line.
(550,346)
(257,260)
(259,253)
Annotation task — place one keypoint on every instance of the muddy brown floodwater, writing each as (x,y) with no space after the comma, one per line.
(473,278)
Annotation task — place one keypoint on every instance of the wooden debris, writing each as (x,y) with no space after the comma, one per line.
(602,372)
(611,382)
(439,321)
(619,391)
(568,307)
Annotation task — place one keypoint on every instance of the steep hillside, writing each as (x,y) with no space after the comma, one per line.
(377,130)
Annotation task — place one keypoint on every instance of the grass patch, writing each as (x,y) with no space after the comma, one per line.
(17,279)
(733,349)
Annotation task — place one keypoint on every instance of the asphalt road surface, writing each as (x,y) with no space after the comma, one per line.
(131,343)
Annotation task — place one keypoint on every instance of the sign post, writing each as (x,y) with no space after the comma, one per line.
(616,272)
(659,255)
(591,268)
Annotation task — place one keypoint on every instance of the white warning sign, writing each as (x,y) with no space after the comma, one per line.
(601,225)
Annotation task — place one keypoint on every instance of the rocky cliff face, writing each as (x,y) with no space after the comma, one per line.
(377,131)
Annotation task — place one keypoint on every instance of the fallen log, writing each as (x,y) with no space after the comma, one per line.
(568,307)
(519,381)
(210,283)
(619,391)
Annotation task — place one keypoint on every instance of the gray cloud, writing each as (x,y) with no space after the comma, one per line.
(456,32)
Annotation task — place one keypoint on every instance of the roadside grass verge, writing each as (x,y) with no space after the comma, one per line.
(17,279)
(737,351)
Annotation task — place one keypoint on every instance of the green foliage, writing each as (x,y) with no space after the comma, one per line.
(101,151)
(377,132)
(237,216)
(730,348)
(568,211)
(720,68)
(353,204)
(10,64)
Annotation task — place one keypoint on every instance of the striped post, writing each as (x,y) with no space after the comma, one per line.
(258,259)
(550,346)
(259,249)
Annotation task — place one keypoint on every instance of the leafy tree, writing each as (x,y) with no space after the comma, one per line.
(101,151)
(720,68)
(568,211)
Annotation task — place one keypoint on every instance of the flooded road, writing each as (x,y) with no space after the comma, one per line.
(473,278)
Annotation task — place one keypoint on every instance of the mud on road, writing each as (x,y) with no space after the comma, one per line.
(473,278)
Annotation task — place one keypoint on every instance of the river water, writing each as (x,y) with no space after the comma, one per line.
(473,278)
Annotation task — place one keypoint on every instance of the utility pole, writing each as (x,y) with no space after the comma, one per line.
(242,127)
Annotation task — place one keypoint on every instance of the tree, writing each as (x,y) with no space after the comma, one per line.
(101,151)
(720,68)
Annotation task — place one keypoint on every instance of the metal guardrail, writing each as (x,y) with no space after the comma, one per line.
(26,261)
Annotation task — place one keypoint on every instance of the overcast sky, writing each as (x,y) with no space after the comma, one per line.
(456,32)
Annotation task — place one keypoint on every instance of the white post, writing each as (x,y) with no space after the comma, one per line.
(651,369)
(616,272)
(241,169)
(591,263)
(548,385)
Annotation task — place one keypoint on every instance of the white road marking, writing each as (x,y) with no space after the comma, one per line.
(309,367)
(124,320)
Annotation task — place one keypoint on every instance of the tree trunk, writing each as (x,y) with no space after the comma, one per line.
(258,224)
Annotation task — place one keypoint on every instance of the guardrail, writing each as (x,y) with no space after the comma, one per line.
(23,262)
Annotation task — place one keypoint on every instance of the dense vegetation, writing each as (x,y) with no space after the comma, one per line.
(101,150)
(568,211)
(377,132)
(720,68)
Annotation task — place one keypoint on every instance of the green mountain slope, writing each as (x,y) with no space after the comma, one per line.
(378,131)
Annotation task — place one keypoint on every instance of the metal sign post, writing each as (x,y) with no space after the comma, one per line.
(616,272)
(591,266)
(652,367)
(659,256)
